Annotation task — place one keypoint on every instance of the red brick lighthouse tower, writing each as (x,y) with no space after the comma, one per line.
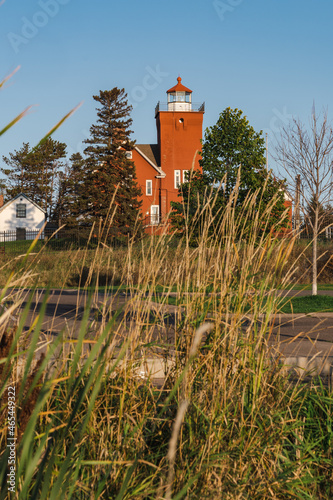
(162,167)
(179,132)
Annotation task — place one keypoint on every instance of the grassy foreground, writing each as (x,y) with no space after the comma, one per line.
(226,423)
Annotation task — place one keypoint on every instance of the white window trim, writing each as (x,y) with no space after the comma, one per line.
(157,214)
(177,174)
(149,187)
(129,155)
(22,209)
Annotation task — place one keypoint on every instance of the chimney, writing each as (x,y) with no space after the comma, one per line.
(1,200)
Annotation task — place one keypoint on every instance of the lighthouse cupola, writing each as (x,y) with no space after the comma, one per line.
(179,97)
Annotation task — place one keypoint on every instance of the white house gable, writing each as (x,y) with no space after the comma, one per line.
(21,212)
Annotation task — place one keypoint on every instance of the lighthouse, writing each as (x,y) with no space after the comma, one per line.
(179,134)
(161,168)
(179,97)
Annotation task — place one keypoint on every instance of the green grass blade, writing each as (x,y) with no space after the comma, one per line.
(60,122)
(15,120)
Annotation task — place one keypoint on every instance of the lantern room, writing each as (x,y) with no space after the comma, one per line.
(179,97)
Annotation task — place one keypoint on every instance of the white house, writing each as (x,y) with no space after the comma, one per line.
(19,217)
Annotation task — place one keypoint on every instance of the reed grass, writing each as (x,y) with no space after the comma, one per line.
(224,422)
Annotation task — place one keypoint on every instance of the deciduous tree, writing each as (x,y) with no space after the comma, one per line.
(307,151)
(231,148)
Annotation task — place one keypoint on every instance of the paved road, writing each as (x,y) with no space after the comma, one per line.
(65,308)
(293,336)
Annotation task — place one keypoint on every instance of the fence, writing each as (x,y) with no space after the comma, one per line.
(304,231)
(19,241)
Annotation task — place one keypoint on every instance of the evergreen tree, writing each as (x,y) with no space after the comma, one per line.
(109,173)
(35,173)
(71,206)
(47,160)
(18,177)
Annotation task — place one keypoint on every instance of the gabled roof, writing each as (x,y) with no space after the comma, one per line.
(179,87)
(151,153)
(21,195)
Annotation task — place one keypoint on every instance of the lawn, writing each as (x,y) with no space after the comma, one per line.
(308,304)
(296,305)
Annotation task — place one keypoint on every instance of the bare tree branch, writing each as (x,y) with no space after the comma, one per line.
(307,151)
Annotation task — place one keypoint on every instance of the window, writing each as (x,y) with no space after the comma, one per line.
(128,155)
(154,214)
(179,97)
(149,188)
(177,179)
(185,175)
(21,210)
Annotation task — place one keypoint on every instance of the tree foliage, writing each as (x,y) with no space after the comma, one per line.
(72,200)
(231,148)
(35,172)
(18,175)
(110,175)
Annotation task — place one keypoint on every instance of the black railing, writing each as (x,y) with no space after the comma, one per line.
(194,106)
(19,241)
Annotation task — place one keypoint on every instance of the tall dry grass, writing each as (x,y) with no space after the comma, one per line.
(224,422)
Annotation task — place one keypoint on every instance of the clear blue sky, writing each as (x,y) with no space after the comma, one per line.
(269,58)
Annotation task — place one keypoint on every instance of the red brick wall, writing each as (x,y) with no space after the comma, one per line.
(145,171)
(179,134)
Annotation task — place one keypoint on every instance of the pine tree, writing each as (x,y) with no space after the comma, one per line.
(34,172)
(72,201)
(47,159)
(17,178)
(109,172)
